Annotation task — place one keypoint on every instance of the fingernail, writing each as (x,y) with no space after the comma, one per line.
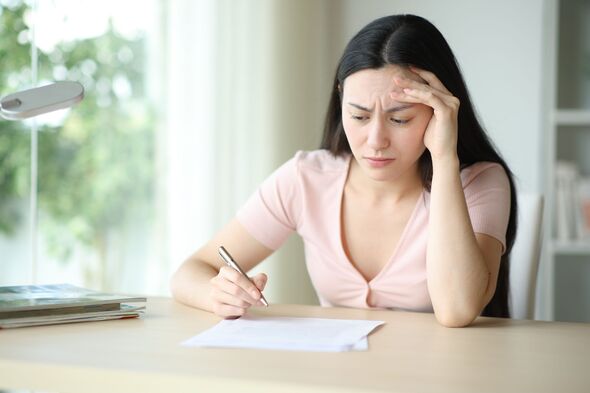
(255,295)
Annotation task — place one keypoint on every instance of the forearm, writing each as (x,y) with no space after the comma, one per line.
(456,270)
(191,285)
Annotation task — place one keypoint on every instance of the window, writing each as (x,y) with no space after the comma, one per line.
(189,106)
(97,162)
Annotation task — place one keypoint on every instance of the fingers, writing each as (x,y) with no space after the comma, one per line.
(406,83)
(416,92)
(225,311)
(420,97)
(260,281)
(401,96)
(246,287)
(431,79)
(430,98)
(232,293)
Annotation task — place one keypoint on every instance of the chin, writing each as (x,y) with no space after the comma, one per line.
(382,175)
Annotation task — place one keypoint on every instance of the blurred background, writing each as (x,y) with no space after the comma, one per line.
(190,104)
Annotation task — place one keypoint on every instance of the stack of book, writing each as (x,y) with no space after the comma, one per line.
(33,305)
(572,203)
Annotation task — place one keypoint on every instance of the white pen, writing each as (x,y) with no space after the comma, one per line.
(234,265)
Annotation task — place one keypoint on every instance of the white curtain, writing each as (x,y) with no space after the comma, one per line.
(239,87)
(246,85)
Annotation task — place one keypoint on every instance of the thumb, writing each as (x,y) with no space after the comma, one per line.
(260,281)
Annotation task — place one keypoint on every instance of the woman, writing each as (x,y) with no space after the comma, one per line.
(407,205)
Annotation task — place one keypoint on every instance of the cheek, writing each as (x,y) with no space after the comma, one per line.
(423,118)
(415,134)
(351,129)
(411,139)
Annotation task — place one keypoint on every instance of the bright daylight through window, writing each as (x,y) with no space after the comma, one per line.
(96,163)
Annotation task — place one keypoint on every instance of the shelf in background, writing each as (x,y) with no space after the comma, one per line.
(572,117)
(572,247)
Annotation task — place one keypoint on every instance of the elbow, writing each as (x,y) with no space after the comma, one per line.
(455,318)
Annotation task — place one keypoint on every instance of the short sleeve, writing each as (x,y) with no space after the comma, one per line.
(271,213)
(487,193)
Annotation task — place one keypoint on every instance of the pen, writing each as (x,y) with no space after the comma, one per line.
(234,265)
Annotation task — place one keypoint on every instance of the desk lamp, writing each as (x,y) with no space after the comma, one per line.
(40,100)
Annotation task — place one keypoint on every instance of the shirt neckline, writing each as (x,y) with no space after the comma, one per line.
(346,260)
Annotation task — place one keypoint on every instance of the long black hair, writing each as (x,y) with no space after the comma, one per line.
(409,40)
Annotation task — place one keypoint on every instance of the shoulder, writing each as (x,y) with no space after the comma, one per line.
(320,161)
(490,174)
(309,167)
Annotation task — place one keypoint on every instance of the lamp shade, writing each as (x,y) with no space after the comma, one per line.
(40,100)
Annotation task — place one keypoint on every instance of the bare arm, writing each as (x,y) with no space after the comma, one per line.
(203,281)
(462,267)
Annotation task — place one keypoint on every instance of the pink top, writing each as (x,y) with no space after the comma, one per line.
(305,195)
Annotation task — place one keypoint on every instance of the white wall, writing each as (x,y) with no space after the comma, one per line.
(499,48)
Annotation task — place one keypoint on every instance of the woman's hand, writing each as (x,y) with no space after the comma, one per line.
(232,293)
(440,137)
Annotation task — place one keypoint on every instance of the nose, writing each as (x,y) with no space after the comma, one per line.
(377,137)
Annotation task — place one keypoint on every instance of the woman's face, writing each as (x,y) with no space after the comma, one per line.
(386,137)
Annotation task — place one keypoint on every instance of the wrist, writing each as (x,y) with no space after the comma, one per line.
(446,163)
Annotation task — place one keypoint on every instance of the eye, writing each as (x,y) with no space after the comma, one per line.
(358,117)
(399,121)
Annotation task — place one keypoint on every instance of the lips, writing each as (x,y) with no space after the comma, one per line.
(379,162)
(379,159)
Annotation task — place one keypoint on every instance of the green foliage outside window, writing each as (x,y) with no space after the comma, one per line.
(96,169)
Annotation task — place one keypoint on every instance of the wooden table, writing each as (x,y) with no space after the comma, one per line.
(411,353)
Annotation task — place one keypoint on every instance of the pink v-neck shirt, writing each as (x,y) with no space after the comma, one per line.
(305,195)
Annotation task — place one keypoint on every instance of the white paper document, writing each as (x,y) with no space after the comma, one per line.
(286,333)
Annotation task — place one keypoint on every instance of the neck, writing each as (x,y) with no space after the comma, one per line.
(407,185)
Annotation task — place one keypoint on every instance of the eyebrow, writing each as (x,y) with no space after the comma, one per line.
(394,109)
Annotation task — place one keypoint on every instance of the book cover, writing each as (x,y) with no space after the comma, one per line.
(125,311)
(39,297)
(33,305)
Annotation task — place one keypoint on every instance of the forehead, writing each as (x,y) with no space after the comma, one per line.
(377,81)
